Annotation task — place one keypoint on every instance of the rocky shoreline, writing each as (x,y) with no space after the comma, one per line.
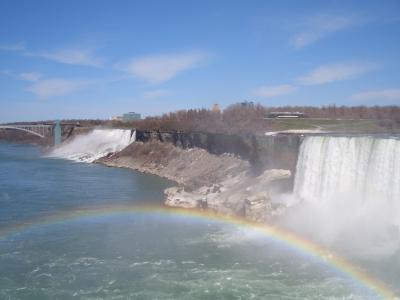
(222,183)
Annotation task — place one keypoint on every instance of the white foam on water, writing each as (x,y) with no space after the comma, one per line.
(94,145)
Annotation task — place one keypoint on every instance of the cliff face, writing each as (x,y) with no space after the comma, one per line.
(222,183)
(263,152)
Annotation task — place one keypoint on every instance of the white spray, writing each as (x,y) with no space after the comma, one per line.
(94,145)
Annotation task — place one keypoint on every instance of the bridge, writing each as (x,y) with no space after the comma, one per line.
(40,130)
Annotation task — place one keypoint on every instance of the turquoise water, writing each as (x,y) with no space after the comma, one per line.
(142,256)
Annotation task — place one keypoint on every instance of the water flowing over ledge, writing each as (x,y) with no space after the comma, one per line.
(349,191)
(365,167)
(94,145)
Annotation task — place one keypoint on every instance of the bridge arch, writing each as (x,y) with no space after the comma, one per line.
(24,129)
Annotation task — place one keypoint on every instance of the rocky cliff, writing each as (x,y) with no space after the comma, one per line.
(224,183)
(263,152)
(192,168)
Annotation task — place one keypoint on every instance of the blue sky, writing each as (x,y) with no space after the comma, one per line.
(96,59)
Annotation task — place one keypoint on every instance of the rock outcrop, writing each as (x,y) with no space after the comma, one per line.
(256,207)
(222,183)
(243,195)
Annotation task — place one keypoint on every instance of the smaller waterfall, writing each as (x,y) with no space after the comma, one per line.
(94,145)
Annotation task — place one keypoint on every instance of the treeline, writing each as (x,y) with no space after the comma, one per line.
(250,118)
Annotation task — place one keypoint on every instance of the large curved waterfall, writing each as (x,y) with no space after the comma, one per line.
(95,144)
(364,167)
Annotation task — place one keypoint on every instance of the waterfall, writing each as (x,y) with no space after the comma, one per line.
(364,167)
(94,145)
(349,189)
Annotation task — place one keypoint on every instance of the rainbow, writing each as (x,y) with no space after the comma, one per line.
(283,236)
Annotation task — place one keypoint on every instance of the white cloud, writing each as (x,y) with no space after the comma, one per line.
(320,26)
(382,95)
(161,68)
(30,76)
(156,94)
(273,91)
(320,75)
(72,56)
(48,88)
(331,73)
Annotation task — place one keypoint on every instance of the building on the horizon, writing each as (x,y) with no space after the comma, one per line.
(215,108)
(131,116)
(286,114)
(247,104)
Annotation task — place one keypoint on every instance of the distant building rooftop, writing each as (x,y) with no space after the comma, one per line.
(131,116)
(286,114)
(247,104)
(215,108)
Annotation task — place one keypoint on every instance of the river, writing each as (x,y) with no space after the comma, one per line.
(64,234)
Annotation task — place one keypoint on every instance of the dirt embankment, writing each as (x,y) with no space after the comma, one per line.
(223,183)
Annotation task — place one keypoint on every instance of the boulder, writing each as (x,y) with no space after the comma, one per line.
(257,207)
